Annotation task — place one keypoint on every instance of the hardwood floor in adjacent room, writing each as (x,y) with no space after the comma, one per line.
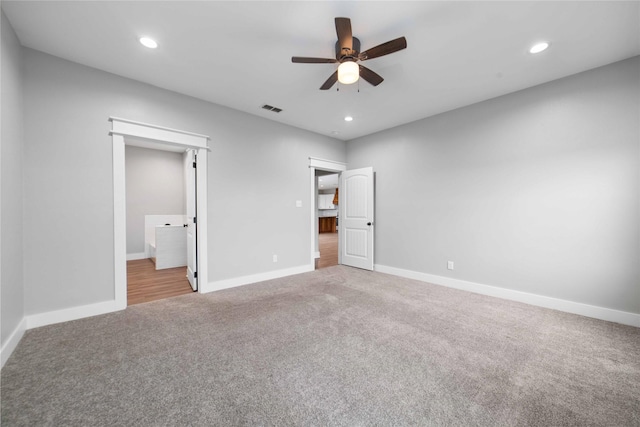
(145,283)
(328,246)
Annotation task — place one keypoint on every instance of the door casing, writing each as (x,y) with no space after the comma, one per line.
(124,131)
(328,166)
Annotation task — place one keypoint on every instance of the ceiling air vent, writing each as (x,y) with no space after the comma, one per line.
(271,108)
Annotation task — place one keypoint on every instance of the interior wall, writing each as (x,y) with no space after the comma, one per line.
(155,186)
(536,191)
(11,167)
(256,171)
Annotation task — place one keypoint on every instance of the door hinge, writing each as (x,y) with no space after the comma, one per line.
(194,219)
(194,165)
(195,274)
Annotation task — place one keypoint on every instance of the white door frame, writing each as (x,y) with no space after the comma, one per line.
(323,165)
(158,137)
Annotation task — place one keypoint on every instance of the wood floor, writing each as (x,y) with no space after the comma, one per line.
(328,245)
(145,283)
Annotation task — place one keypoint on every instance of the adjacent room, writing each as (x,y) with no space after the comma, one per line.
(157,224)
(320,213)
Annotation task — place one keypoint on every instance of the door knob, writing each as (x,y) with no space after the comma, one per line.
(369,223)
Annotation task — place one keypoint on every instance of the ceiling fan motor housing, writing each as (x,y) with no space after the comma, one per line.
(343,54)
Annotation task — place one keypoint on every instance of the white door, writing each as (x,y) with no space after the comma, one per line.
(192,255)
(356,218)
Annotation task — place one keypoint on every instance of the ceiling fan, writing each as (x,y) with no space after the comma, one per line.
(348,54)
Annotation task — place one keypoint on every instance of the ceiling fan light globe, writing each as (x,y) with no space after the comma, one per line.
(348,72)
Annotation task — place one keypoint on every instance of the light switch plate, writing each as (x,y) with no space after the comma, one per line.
(298,203)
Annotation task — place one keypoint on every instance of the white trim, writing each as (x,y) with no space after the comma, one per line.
(12,342)
(148,125)
(136,256)
(135,141)
(122,128)
(157,133)
(202,214)
(329,165)
(119,223)
(73,313)
(254,278)
(602,313)
(324,165)
(314,217)
(164,136)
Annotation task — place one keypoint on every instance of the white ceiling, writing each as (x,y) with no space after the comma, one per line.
(328,182)
(238,54)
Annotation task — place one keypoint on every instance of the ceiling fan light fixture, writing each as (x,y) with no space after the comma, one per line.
(348,72)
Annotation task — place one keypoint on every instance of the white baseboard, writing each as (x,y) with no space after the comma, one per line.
(73,313)
(12,341)
(316,254)
(218,285)
(596,312)
(139,255)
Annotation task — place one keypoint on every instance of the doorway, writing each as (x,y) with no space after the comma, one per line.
(320,168)
(356,217)
(156,204)
(328,218)
(127,132)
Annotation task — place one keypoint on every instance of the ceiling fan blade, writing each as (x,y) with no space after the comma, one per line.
(345,39)
(330,81)
(374,78)
(305,60)
(384,49)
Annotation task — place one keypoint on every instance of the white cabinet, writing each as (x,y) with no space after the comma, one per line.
(325,201)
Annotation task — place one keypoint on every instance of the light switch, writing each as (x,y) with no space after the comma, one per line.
(298,203)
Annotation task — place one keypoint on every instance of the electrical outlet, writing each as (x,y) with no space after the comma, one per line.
(275,258)
(450,265)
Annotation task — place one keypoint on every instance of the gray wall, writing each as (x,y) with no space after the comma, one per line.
(155,186)
(257,170)
(536,191)
(11,158)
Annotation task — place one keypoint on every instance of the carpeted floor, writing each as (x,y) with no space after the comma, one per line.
(338,346)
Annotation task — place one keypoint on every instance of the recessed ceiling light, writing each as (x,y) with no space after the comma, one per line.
(348,119)
(147,42)
(539,47)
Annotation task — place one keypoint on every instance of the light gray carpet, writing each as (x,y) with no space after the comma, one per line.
(338,346)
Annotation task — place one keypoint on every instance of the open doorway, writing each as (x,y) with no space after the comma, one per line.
(328,218)
(356,217)
(156,200)
(321,168)
(128,132)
